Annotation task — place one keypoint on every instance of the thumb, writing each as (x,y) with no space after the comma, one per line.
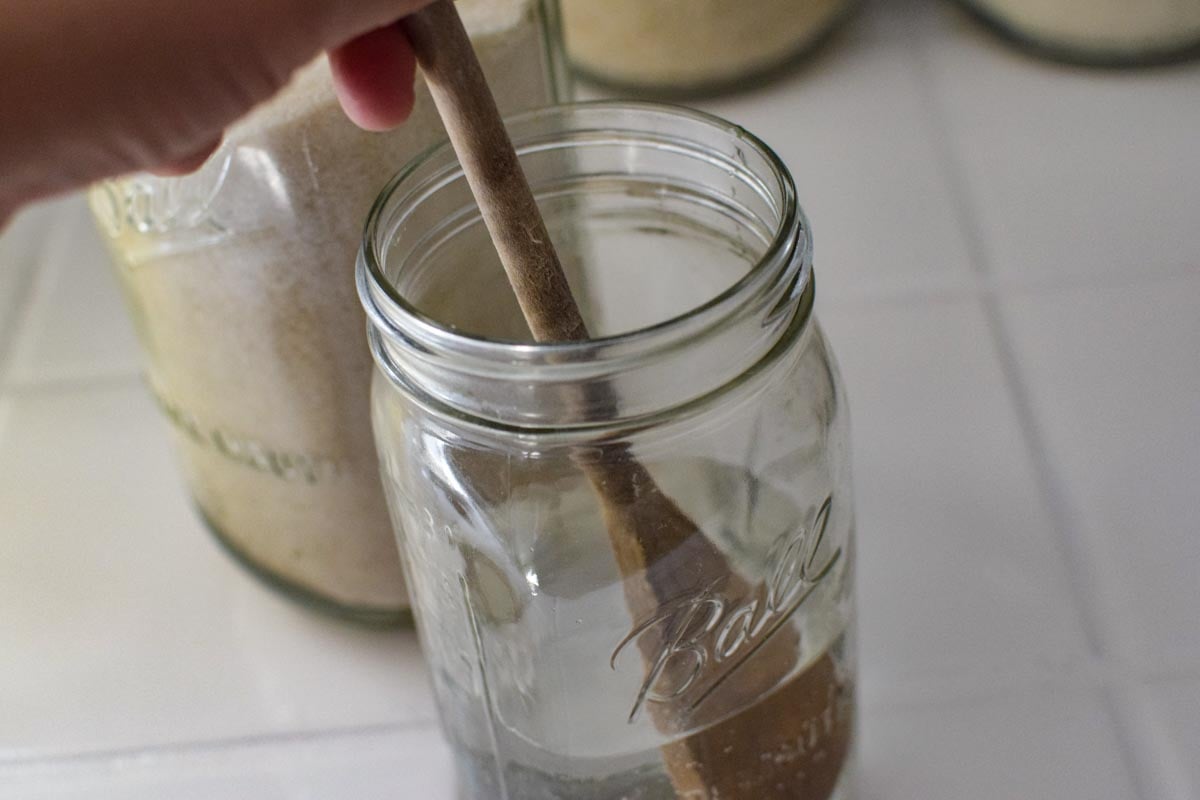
(373,77)
(373,72)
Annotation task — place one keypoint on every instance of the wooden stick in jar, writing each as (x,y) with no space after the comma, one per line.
(762,748)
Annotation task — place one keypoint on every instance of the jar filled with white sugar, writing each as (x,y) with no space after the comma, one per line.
(692,46)
(1099,32)
(240,281)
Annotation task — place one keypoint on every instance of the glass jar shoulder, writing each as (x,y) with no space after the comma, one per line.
(776,440)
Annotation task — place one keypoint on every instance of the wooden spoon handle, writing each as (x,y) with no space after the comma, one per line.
(489,160)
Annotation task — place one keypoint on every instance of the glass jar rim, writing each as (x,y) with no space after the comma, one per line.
(390,311)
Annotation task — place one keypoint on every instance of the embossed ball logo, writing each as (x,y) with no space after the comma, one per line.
(699,640)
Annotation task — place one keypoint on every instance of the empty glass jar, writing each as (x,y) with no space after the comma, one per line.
(1099,32)
(240,282)
(632,558)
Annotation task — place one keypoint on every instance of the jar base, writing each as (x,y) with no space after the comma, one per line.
(476,780)
(1080,56)
(368,616)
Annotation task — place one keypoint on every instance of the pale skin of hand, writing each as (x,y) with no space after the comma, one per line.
(91,89)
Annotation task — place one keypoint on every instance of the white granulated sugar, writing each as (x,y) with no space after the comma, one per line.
(244,299)
(484,17)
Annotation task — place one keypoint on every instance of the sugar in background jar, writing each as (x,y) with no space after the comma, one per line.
(1098,32)
(584,643)
(677,47)
(240,281)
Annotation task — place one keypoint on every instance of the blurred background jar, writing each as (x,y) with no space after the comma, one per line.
(680,47)
(1098,32)
(632,558)
(240,281)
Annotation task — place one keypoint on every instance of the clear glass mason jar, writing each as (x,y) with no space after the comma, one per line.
(689,47)
(240,282)
(631,558)
(1098,32)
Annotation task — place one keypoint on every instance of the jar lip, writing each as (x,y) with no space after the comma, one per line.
(792,230)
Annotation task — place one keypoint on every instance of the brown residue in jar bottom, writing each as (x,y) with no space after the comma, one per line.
(792,745)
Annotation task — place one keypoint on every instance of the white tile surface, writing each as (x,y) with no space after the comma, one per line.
(76,327)
(22,243)
(942,173)
(1016,746)
(960,578)
(1074,173)
(850,127)
(1115,380)
(123,625)
(400,764)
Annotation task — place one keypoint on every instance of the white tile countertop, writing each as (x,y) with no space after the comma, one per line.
(1008,262)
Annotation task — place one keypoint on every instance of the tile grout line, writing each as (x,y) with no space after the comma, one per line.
(983,285)
(983,688)
(17,764)
(1086,587)
(1088,595)
(67,383)
(1053,495)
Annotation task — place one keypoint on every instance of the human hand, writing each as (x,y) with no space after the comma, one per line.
(95,88)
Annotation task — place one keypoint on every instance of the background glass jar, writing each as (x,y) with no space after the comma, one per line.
(1099,32)
(631,558)
(691,46)
(240,282)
